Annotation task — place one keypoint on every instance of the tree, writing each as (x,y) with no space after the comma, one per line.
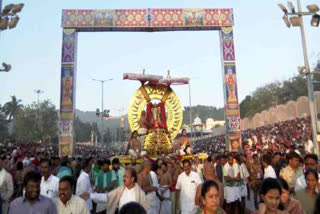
(3,124)
(272,94)
(26,124)
(107,135)
(45,128)
(48,120)
(204,112)
(82,130)
(12,108)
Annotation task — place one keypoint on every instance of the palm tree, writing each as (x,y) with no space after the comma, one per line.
(12,108)
(3,122)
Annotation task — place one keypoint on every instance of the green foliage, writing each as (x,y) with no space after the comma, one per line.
(26,126)
(11,109)
(272,94)
(48,120)
(204,112)
(3,124)
(37,124)
(82,130)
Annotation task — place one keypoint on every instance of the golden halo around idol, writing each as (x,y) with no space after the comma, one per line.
(156,93)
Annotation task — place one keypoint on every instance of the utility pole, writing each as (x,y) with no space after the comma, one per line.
(38,92)
(190,110)
(296,19)
(190,106)
(313,109)
(9,11)
(102,110)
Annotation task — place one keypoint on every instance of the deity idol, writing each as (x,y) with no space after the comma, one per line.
(158,135)
(156,116)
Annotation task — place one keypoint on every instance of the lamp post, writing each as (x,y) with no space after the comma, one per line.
(102,111)
(190,110)
(190,107)
(38,92)
(296,19)
(6,67)
(8,15)
(9,12)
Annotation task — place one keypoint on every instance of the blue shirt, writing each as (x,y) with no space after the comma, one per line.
(42,205)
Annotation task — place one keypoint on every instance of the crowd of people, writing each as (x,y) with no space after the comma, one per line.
(276,166)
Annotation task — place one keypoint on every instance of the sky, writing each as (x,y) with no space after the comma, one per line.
(266,51)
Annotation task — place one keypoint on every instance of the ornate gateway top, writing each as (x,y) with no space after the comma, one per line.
(147,19)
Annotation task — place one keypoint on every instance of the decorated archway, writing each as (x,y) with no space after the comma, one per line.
(146,20)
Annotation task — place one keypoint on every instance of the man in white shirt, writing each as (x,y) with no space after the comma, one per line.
(83,182)
(310,162)
(198,167)
(186,186)
(232,178)
(49,185)
(268,169)
(244,174)
(308,146)
(155,183)
(67,202)
(6,187)
(129,192)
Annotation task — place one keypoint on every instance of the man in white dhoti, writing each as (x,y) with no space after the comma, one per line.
(135,148)
(244,175)
(155,183)
(145,181)
(143,129)
(185,144)
(232,178)
(165,184)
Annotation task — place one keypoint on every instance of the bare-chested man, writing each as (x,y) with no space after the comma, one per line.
(165,184)
(135,149)
(134,164)
(208,169)
(145,182)
(176,171)
(185,145)
(134,144)
(143,128)
(209,174)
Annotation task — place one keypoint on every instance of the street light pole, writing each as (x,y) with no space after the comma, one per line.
(296,19)
(102,111)
(190,106)
(313,110)
(190,110)
(38,92)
